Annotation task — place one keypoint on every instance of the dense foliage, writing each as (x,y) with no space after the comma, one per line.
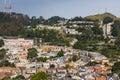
(19,77)
(89,36)
(39,76)
(116,28)
(1,43)
(54,20)
(41,59)
(92,63)
(2,54)
(6,78)
(32,53)
(6,63)
(60,53)
(75,58)
(12,25)
(116,68)
(107,20)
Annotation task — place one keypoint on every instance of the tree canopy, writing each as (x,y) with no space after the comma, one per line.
(115,31)
(1,43)
(75,58)
(39,76)
(19,77)
(107,20)
(32,53)
(6,78)
(2,54)
(116,68)
(41,59)
(12,25)
(60,53)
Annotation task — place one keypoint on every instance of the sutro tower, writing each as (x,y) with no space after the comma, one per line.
(8,6)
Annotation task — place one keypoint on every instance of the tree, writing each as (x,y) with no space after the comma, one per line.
(107,20)
(115,31)
(11,25)
(92,63)
(107,40)
(6,78)
(39,76)
(67,66)
(2,54)
(80,45)
(116,68)
(97,31)
(70,59)
(52,66)
(87,34)
(19,77)
(41,59)
(117,42)
(32,53)
(34,21)
(75,58)
(6,63)
(60,53)
(54,20)
(1,43)
(41,20)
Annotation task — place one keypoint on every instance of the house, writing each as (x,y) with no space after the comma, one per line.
(41,69)
(46,65)
(70,31)
(77,78)
(10,70)
(74,40)
(51,71)
(61,72)
(18,43)
(101,78)
(48,55)
(97,56)
(47,48)
(38,65)
(20,64)
(82,71)
(85,53)
(89,77)
(72,71)
(30,65)
(85,59)
(89,69)
(31,70)
(105,60)
(98,69)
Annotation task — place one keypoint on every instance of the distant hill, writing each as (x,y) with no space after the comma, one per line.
(101,16)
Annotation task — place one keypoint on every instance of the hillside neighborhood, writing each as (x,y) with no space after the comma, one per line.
(73,64)
(74,49)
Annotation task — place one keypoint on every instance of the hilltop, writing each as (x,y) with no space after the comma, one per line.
(101,16)
(12,24)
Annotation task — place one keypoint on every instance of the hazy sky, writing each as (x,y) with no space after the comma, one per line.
(64,8)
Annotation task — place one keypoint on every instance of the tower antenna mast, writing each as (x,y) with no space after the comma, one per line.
(7,6)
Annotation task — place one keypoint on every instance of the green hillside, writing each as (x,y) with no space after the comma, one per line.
(12,25)
(101,16)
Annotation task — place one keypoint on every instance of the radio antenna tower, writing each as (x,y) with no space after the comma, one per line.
(7,6)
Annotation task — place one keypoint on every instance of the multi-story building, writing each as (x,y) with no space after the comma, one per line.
(18,43)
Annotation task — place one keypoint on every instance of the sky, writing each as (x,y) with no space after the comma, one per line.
(64,8)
